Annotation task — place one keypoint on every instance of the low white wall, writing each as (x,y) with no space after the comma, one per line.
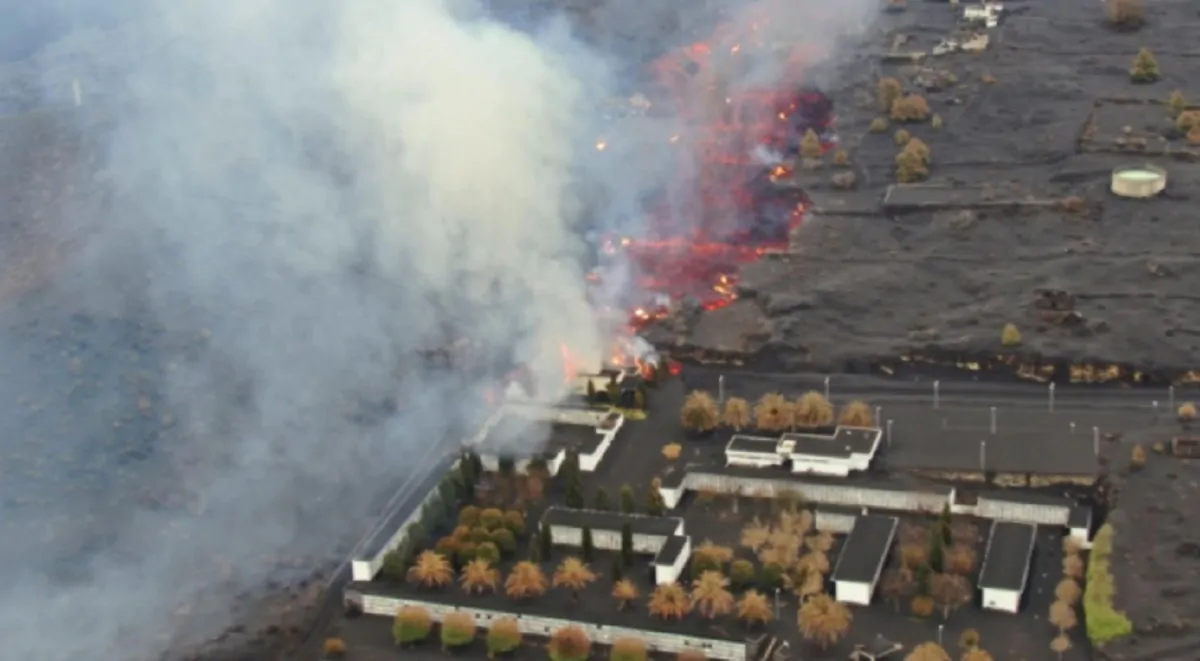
(605,540)
(532,625)
(829,494)
(752,459)
(1008,601)
(667,574)
(365,569)
(834,522)
(1003,510)
(806,464)
(554,414)
(852,592)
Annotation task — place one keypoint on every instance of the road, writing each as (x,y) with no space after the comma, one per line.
(949,391)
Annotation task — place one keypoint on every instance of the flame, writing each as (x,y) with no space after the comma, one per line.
(601,145)
(570,366)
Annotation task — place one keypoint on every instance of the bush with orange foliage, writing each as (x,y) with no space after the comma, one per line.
(569,643)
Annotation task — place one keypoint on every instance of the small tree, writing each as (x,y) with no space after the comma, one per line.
(1072,567)
(773,412)
(601,501)
(736,414)
(771,576)
(627,544)
(711,596)
(469,515)
(1144,68)
(901,137)
(672,451)
(878,125)
(1010,336)
(910,108)
(856,414)
(1176,104)
(912,163)
(479,576)
(699,412)
(753,609)
(937,550)
(1125,14)
(573,575)
(574,495)
(840,158)
(628,649)
(587,548)
(1063,616)
(458,630)
(896,584)
(936,122)
(1068,591)
(968,639)
(569,644)
(741,574)
(810,145)
(960,559)
(949,592)
(624,591)
(1060,645)
(504,636)
(504,540)
(431,570)
(655,505)
(813,410)
(823,620)
(412,625)
(627,499)
(887,91)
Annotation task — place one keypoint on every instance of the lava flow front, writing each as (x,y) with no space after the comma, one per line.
(728,205)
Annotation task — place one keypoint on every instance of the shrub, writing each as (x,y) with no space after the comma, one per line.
(856,414)
(468,516)
(921,606)
(1186,411)
(910,108)
(844,180)
(1193,136)
(888,90)
(840,158)
(1187,120)
(491,518)
(504,636)
(672,451)
(771,576)
(988,79)
(912,163)
(1103,622)
(334,648)
(902,137)
(812,410)
(458,630)
(1137,457)
(699,412)
(1125,14)
(487,551)
(936,123)
(1010,336)
(514,520)
(569,644)
(505,540)
(878,125)
(1144,68)
(741,574)
(412,625)
(810,145)
(628,649)
(1176,104)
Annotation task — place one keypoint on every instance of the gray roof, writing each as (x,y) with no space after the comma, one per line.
(1009,554)
(866,549)
(669,553)
(842,443)
(520,435)
(760,444)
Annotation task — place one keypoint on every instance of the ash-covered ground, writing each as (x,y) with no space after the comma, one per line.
(862,282)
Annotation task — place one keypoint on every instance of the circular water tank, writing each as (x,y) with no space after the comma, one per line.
(1138,181)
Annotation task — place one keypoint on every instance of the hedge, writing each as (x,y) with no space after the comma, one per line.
(1104,623)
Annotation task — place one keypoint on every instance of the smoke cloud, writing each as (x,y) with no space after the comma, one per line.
(242,241)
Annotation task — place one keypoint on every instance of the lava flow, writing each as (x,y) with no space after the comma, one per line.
(729,204)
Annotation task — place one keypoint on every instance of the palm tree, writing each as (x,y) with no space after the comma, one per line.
(737,413)
(755,535)
(624,591)
(699,412)
(856,414)
(823,620)
(479,576)
(773,413)
(815,561)
(813,410)
(820,542)
(670,602)
(710,551)
(928,652)
(711,596)
(812,584)
(753,609)
(525,581)
(574,576)
(431,570)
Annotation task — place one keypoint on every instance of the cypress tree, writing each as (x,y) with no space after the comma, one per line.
(937,550)
(627,499)
(545,543)
(627,544)
(654,500)
(574,497)
(618,569)
(588,549)
(944,524)
(601,503)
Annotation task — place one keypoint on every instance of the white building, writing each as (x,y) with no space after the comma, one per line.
(524,431)
(863,556)
(659,536)
(846,450)
(1006,563)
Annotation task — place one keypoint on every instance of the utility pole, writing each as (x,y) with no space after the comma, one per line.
(827,388)
(1051,391)
(1171,396)
(936,398)
(889,433)
(1072,427)
(1096,441)
(878,411)
(983,456)
(721,389)
(993,420)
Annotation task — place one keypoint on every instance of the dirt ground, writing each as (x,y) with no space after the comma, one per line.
(860,281)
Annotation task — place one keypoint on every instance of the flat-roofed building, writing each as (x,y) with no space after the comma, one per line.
(1006,564)
(862,558)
